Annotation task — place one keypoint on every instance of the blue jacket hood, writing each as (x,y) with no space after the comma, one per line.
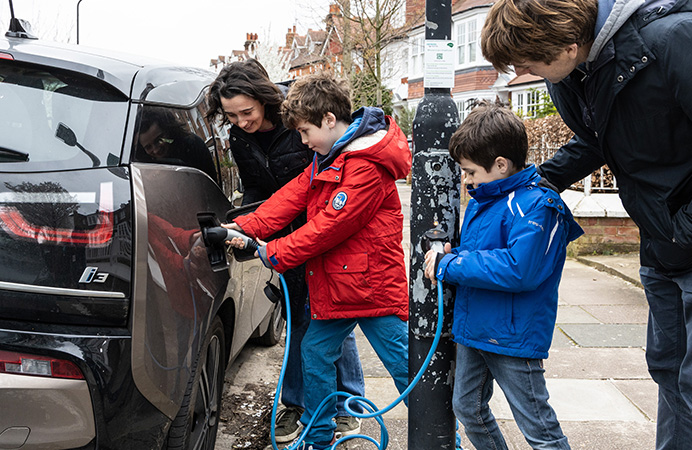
(488,191)
(366,120)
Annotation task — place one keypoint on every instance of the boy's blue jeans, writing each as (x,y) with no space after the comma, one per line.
(523,383)
(349,373)
(669,354)
(321,347)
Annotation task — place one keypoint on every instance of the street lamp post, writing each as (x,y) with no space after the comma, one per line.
(78,2)
(435,202)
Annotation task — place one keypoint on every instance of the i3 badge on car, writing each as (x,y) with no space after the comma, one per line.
(91,275)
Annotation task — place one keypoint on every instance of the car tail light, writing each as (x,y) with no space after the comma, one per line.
(6,56)
(14,223)
(23,364)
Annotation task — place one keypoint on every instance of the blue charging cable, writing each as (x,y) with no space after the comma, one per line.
(366,404)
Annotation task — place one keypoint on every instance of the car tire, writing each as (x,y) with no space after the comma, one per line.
(197,422)
(272,336)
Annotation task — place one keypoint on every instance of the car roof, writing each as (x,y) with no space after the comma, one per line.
(143,79)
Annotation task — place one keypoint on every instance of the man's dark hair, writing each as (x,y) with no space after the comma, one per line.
(246,78)
(489,131)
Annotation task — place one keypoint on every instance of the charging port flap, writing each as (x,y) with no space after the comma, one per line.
(216,253)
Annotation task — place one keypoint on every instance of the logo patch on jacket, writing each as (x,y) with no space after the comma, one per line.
(339,200)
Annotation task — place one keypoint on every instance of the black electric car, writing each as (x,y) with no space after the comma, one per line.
(114,330)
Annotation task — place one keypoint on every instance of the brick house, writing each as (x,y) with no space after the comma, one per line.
(595,204)
(315,51)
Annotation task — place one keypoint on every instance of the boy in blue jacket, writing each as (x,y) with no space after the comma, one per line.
(506,272)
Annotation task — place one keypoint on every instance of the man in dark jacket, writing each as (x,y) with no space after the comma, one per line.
(618,72)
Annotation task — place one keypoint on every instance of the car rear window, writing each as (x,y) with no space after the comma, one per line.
(52,119)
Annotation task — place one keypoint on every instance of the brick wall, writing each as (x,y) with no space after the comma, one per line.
(415,89)
(606,234)
(478,80)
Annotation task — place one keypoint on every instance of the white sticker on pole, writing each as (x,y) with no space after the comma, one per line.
(439,64)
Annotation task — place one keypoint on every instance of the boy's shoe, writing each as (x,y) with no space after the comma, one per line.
(347,426)
(315,446)
(288,426)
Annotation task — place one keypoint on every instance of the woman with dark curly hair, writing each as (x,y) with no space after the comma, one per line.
(269,155)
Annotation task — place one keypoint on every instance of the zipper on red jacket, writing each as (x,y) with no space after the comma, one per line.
(314,166)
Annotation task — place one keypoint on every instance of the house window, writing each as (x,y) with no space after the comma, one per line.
(528,103)
(467,41)
(417,55)
(465,107)
(533,102)
(404,57)
(519,104)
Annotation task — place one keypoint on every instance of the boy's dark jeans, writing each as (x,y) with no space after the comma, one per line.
(523,383)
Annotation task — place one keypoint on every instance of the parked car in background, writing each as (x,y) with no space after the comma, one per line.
(114,330)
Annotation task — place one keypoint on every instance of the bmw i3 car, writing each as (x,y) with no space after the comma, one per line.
(115,331)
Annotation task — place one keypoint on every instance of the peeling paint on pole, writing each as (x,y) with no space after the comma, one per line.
(435,196)
(435,199)
(435,203)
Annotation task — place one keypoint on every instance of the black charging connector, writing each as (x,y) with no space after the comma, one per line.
(434,239)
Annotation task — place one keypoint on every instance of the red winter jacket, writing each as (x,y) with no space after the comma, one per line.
(352,240)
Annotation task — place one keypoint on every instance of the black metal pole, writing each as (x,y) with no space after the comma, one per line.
(78,2)
(435,202)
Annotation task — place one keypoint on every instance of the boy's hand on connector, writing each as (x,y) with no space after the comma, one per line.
(234,242)
(237,242)
(431,261)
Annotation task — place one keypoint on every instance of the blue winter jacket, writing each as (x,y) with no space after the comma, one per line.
(508,266)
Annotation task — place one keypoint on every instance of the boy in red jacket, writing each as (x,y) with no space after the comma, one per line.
(351,243)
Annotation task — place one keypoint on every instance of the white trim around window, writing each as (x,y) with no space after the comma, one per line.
(466,35)
(417,46)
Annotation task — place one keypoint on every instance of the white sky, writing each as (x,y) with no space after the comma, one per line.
(189,32)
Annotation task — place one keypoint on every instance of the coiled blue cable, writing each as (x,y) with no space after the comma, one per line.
(366,404)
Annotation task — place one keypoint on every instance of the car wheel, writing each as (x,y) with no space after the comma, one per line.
(275,329)
(196,424)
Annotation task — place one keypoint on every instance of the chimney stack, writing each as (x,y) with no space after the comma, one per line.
(290,36)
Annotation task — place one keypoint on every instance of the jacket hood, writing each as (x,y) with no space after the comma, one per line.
(612,14)
(488,191)
(366,120)
(387,147)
